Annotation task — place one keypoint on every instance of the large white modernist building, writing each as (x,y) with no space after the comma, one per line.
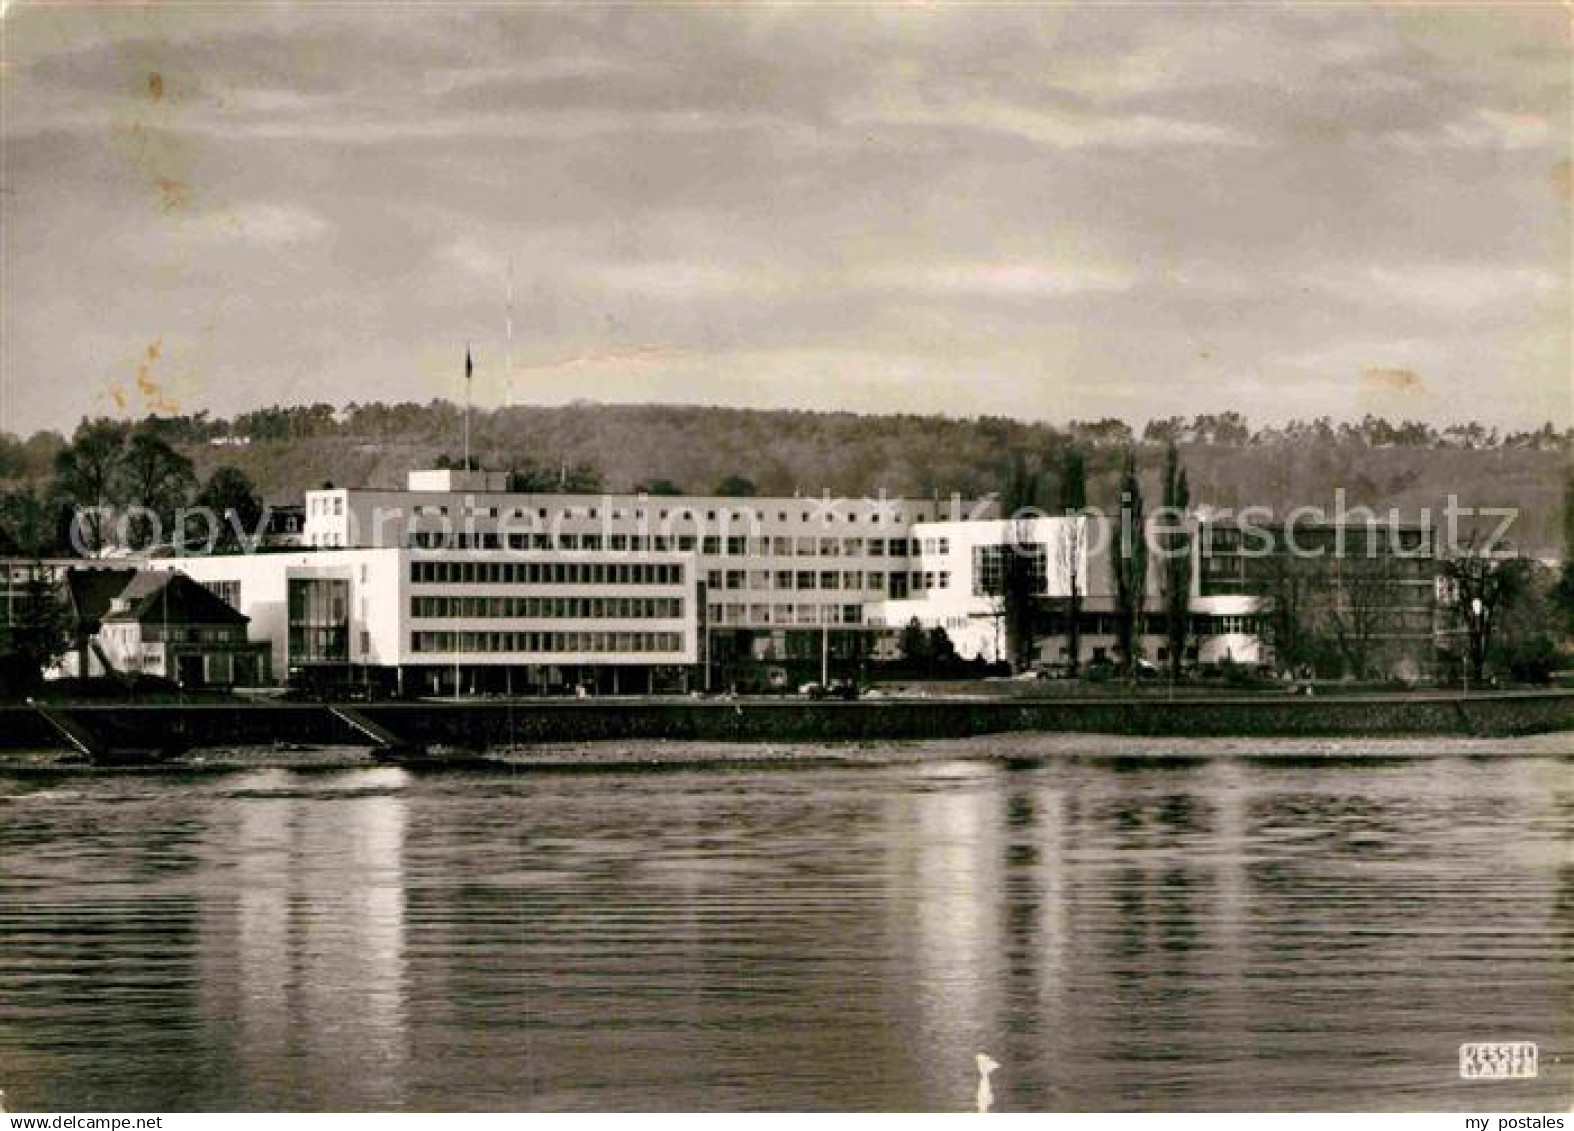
(440,622)
(1067,553)
(457,584)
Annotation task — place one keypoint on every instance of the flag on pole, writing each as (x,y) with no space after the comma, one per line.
(469,365)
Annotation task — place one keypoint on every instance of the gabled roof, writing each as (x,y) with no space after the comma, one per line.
(160,597)
(91,591)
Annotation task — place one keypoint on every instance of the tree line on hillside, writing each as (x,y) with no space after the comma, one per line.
(672,450)
(438,421)
(284,451)
(122,485)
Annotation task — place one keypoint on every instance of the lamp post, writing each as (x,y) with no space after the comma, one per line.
(1476,613)
(825,647)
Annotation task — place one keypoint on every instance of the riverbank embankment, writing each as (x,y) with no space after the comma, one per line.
(1015,749)
(492,725)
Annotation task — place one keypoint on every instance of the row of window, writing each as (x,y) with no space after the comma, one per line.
(176,634)
(578,608)
(428,642)
(546,573)
(825,515)
(1355,539)
(1055,623)
(782,614)
(805,580)
(713,546)
(1322,569)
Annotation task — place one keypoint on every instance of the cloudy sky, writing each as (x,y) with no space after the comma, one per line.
(1050,212)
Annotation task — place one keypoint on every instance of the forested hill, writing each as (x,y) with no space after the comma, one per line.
(618,447)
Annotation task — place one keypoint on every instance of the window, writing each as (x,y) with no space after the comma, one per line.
(527,642)
(319,626)
(989,573)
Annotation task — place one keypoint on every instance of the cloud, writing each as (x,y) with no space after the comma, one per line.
(1009,279)
(1479,128)
(613,360)
(890,207)
(1516,129)
(685,279)
(1019,279)
(1053,127)
(263,224)
(1454,288)
(471,257)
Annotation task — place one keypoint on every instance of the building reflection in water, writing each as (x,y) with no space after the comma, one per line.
(306,940)
(1111,933)
(1038,917)
(948,860)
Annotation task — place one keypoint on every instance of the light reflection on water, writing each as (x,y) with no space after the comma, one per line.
(1117,933)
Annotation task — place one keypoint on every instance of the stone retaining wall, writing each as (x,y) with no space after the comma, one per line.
(489,724)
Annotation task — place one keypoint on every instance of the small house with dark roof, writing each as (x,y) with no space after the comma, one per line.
(163,623)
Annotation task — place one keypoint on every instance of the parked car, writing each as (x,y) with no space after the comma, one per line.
(836,689)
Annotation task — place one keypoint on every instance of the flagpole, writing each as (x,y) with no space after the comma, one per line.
(467,406)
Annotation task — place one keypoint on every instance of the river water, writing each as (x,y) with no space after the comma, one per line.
(1115,932)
